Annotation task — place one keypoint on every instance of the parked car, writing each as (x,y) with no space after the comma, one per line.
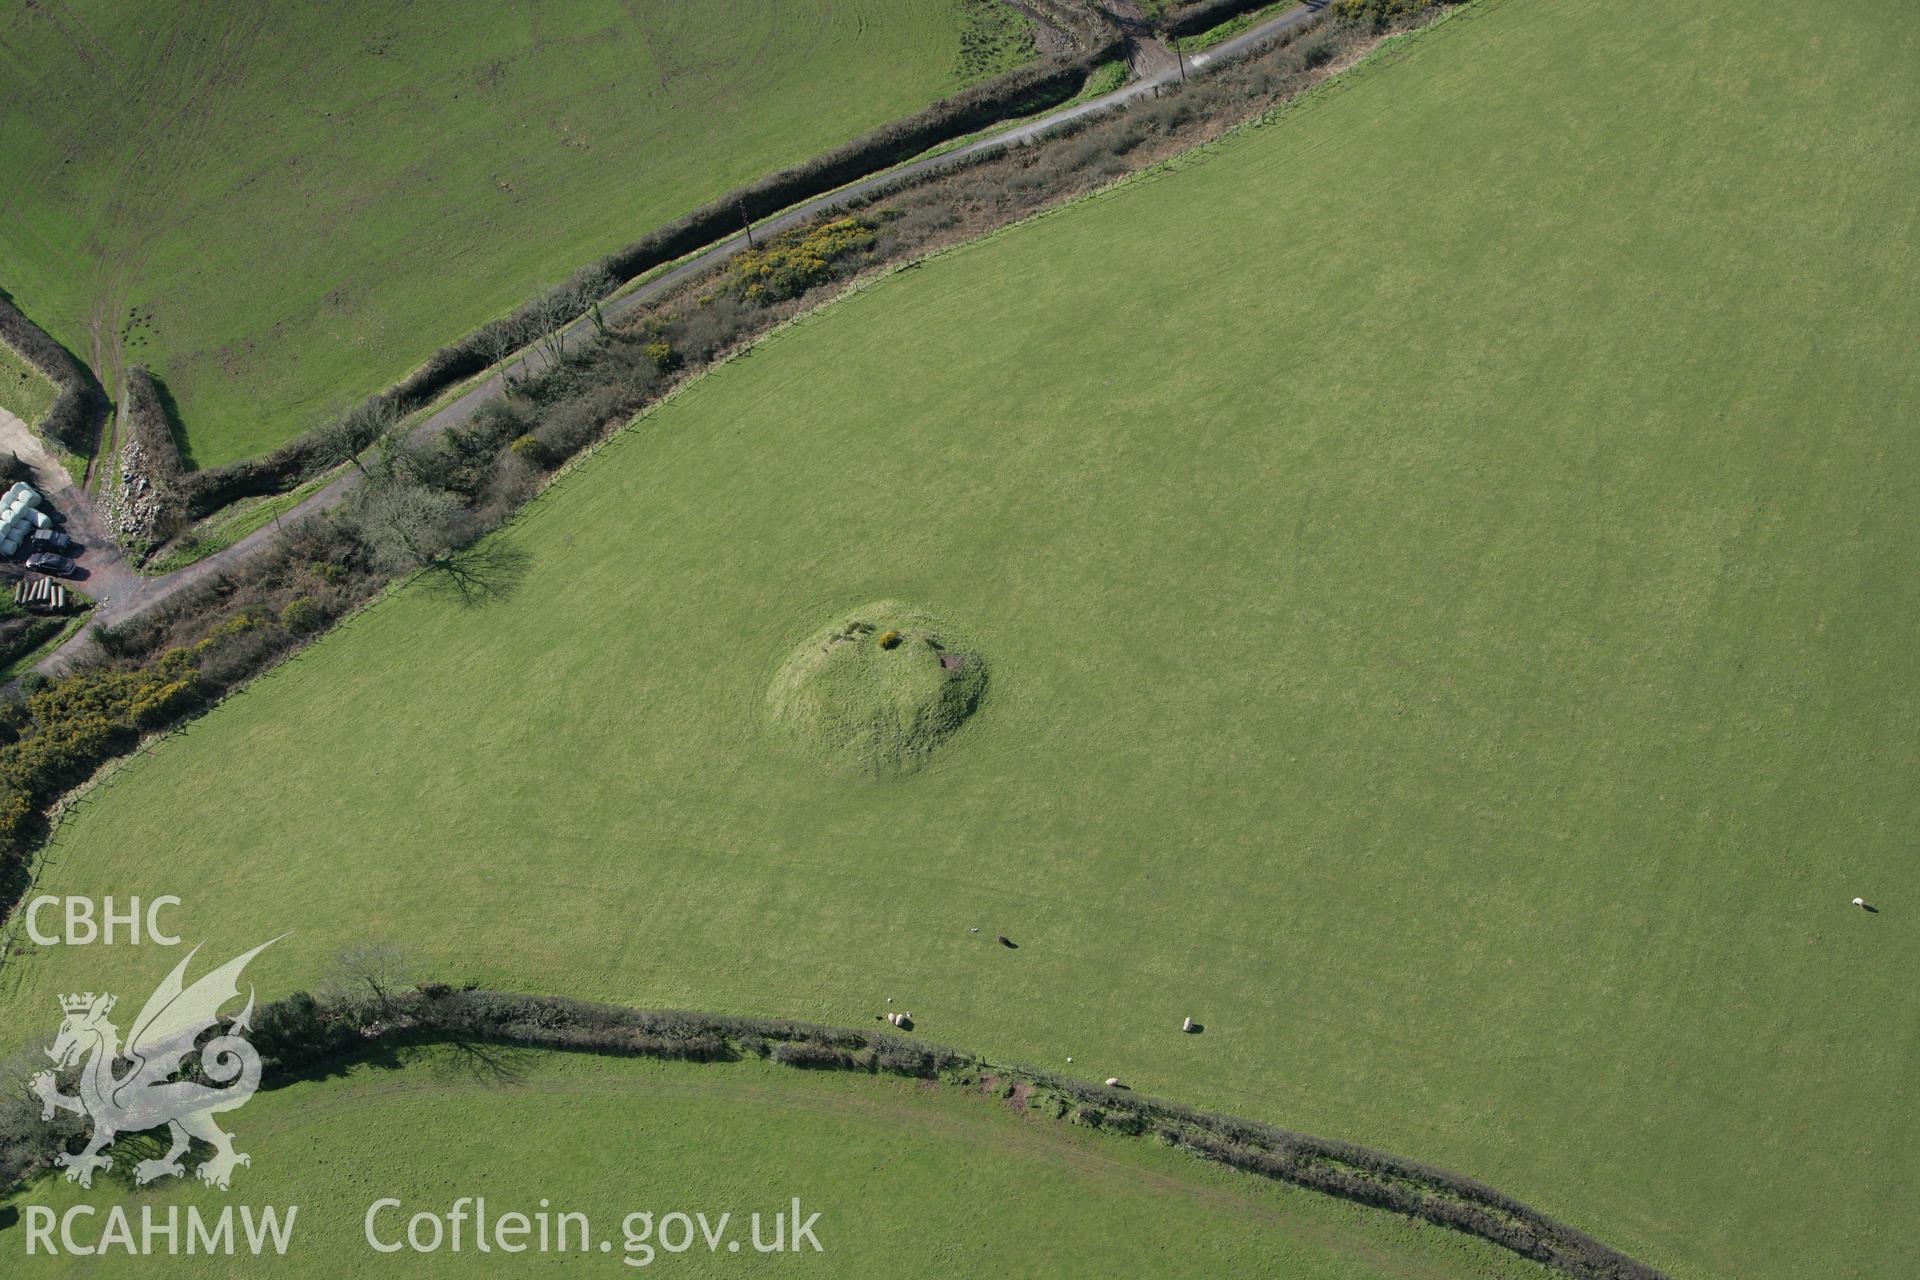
(48,562)
(51,540)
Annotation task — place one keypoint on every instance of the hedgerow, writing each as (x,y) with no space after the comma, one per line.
(1204,15)
(201,493)
(145,416)
(58,735)
(302,1032)
(162,667)
(143,504)
(1023,91)
(184,653)
(1097,42)
(1380,14)
(73,419)
(21,632)
(423,505)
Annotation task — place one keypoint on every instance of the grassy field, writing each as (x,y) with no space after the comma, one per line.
(25,392)
(908,1180)
(280,213)
(1450,630)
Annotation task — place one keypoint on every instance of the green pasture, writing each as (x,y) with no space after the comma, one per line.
(909,1179)
(282,210)
(25,392)
(1446,567)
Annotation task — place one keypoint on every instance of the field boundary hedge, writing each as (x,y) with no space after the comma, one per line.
(71,421)
(145,411)
(213,638)
(1204,15)
(63,732)
(139,503)
(301,1033)
(1031,88)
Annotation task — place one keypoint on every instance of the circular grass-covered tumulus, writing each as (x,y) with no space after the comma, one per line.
(878,690)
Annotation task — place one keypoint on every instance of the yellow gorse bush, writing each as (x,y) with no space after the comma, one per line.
(794,261)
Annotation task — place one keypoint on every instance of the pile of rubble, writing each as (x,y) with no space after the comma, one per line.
(137,508)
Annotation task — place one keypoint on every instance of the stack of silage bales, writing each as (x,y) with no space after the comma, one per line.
(19,517)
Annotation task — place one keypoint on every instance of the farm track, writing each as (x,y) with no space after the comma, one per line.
(121,593)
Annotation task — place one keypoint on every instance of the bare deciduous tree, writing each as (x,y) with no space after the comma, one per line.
(405,524)
(497,344)
(564,304)
(352,433)
(371,970)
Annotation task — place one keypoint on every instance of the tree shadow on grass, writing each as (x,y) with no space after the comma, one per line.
(464,1055)
(486,573)
(486,1062)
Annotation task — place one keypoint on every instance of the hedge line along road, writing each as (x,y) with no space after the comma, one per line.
(121,593)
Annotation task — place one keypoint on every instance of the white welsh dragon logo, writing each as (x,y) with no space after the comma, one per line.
(144,1095)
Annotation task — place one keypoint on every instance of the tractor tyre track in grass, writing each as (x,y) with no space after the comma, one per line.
(122,594)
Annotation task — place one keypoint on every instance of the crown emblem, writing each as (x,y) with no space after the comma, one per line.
(83,1003)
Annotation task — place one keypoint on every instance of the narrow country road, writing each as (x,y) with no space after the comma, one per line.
(122,593)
